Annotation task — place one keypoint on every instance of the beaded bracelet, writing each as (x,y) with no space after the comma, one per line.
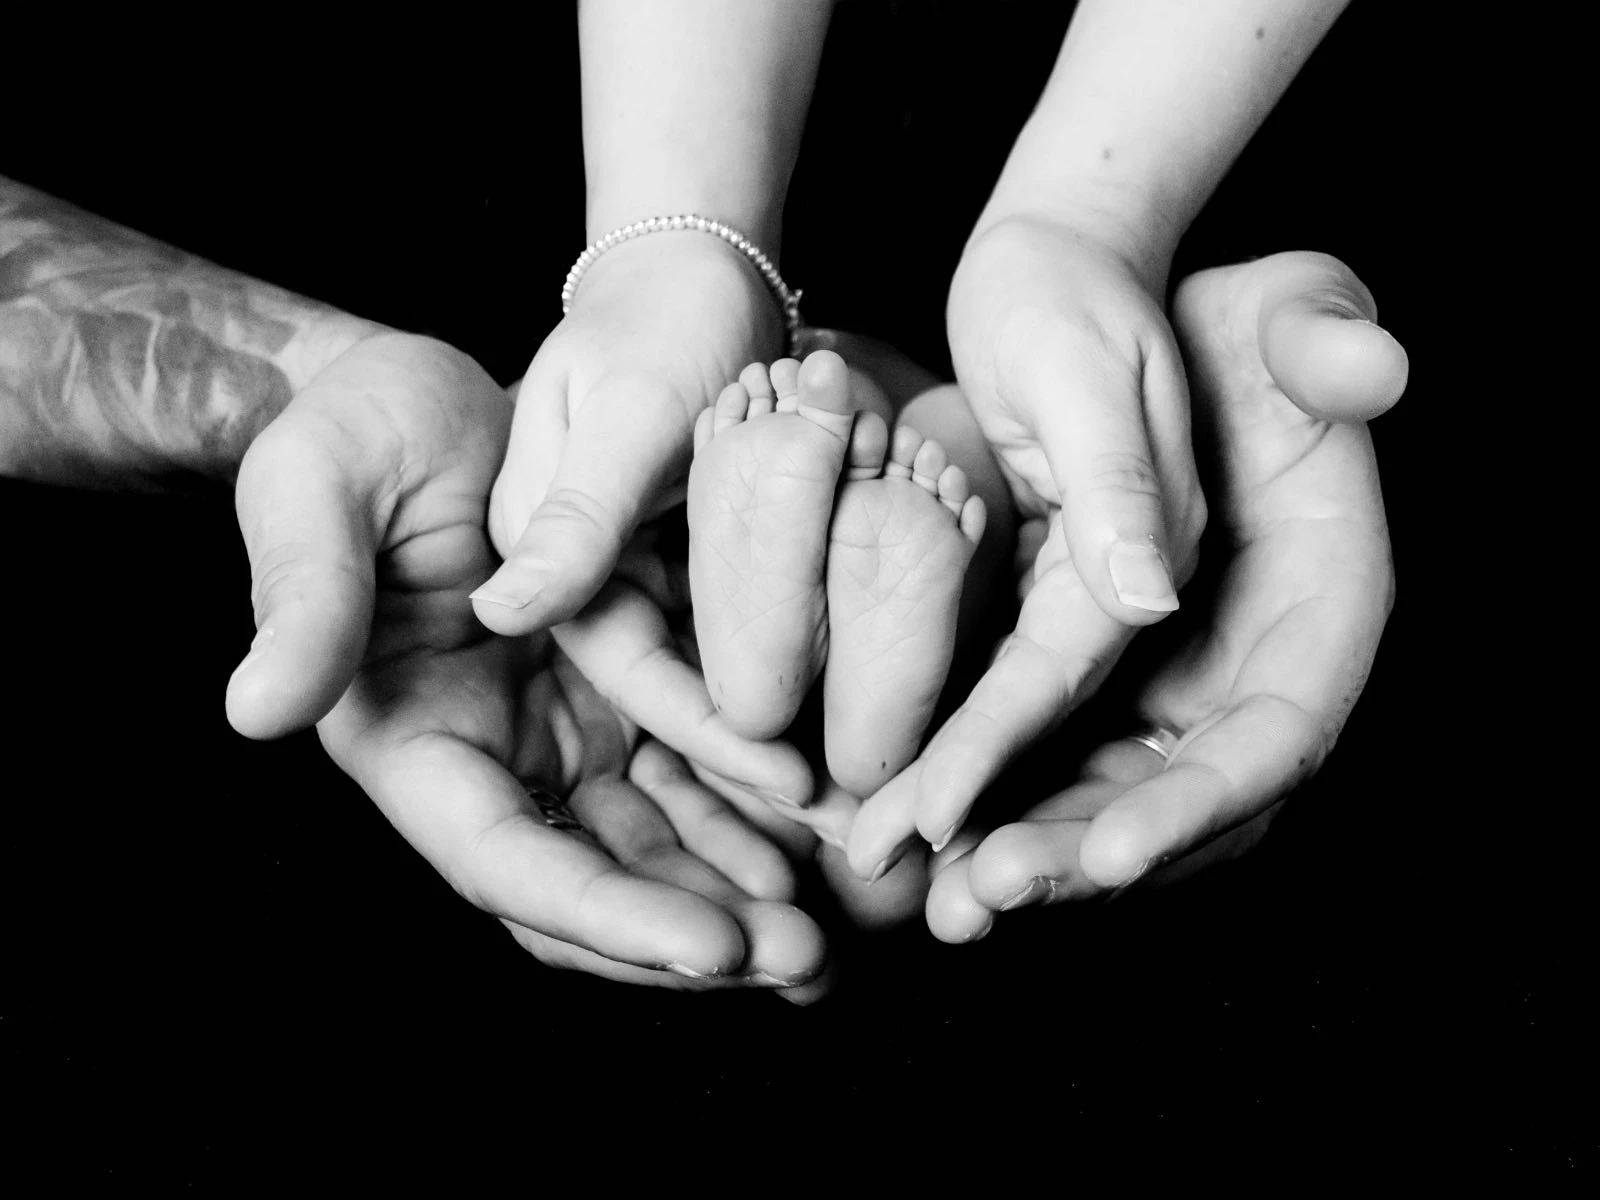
(788,300)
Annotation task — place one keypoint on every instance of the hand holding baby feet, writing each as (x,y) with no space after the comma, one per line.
(768,458)
(604,418)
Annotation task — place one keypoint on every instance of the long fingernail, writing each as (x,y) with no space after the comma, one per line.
(686,972)
(1141,578)
(515,585)
(767,980)
(258,647)
(772,797)
(945,840)
(889,863)
(1127,883)
(1038,888)
(827,835)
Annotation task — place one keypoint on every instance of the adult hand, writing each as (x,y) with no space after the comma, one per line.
(363,511)
(1280,352)
(1061,348)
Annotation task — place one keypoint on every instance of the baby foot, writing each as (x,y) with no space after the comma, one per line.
(902,535)
(767,461)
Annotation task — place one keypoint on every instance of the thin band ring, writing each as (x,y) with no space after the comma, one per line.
(553,809)
(1158,738)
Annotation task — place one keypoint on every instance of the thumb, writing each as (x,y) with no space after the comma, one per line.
(624,446)
(1096,440)
(1320,340)
(311,545)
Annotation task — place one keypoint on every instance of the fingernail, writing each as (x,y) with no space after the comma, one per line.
(1130,880)
(888,864)
(258,647)
(945,840)
(982,931)
(515,585)
(827,835)
(686,972)
(766,980)
(1038,888)
(1141,578)
(772,797)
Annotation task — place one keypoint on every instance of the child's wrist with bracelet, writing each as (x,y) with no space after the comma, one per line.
(788,299)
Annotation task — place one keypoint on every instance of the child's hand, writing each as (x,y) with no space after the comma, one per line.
(1072,371)
(606,414)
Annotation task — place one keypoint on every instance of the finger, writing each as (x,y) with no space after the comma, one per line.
(1035,860)
(952,913)
(890,902)
(621,643)
(783,946)
(304,500)
(780,824)
(473,821)
(567,957)
(708,828)
(627,443)
(1220,776)
(1063,646)
(1092,429)
(1320,339)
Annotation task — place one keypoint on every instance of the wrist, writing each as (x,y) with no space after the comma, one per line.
(317,343)
(756,215)
(1129,220)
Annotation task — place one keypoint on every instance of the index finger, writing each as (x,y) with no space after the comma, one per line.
(1063,646)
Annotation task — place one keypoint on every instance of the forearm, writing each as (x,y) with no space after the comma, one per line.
(696,106)
(126,362)
(1149,104)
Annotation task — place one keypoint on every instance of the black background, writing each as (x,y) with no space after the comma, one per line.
(218,955)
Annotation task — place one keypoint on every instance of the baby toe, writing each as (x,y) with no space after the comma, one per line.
(903,449)
(954,491)
(731,407)
(928,465)
(869,443)
(785,374)
(756,380)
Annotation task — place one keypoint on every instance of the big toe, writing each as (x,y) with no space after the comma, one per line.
(824,386)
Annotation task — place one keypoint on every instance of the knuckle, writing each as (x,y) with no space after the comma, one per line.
(592,517)
(1121,474)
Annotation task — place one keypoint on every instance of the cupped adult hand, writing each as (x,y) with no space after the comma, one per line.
(1285,362)
(363,508)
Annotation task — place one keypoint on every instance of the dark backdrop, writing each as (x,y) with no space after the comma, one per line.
(218,953)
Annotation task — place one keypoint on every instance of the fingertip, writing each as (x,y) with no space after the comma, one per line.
(528,594)
(954,916)
(1116,848)
(1141,581)
(1332,365)
(294,674)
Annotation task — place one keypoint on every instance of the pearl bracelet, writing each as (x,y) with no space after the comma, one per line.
(788,300)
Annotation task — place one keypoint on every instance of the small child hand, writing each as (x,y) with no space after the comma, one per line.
(606,413)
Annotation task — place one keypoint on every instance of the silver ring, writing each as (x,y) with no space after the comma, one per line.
(1158,738)
(553,809)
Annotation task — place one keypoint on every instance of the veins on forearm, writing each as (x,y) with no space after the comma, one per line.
(125,360)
